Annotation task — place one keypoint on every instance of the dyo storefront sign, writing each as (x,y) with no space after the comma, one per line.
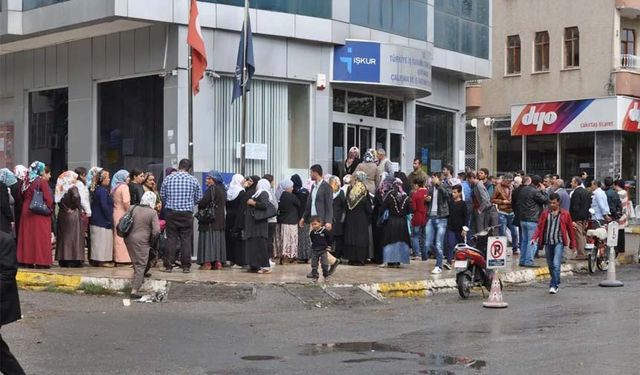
(576,116)
(383,64)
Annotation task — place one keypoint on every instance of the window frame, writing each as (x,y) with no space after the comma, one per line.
(541,50)
(514,55)
(571,47)
(624,42)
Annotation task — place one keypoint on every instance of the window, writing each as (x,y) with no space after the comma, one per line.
(315,8)
(360,104)
(542,51)
(571,47)
(48,128)
(381,107)
(513,54)
(462,26)
(434,137)
(402,17)
(339,97)
(542,154)
(396,110)
(339,151)
(508,151)
(381,139)
(627,46)
(577,150)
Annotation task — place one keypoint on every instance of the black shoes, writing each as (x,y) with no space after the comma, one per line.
(313,275)
(333,267)
(186,270)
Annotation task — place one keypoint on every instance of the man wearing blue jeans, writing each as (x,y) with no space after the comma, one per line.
(438,212)
(554,231)
(530,201)
(419,218)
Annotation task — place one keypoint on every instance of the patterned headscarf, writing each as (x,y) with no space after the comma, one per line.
(386,185)
(7,177)
(398,186)
(282,186)
(91,177)
(358,191)
(118,179)
(149,199)
(217,177)
(235,187)
(370,156)
(65,181)
(20,171)
(35,170)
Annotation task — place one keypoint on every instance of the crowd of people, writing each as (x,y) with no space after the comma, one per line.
(371,214)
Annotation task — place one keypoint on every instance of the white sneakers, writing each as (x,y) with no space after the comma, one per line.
(553,290)
(436,270)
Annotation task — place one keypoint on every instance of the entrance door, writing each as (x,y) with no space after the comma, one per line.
(48,129)
(364,138)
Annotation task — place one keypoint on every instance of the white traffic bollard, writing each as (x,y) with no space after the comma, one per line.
(611,281)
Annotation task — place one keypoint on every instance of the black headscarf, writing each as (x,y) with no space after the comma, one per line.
(297,185)
(252,189)
(406,185)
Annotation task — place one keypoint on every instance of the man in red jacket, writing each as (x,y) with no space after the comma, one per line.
(554,232)
(419,219)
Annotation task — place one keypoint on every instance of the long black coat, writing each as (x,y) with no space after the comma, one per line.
(357,221)
(339,213)
(9,300)
(6,215)
(218,196)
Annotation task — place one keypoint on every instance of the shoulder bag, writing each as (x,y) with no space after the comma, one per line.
(269,212)
(37,205)
(125,224)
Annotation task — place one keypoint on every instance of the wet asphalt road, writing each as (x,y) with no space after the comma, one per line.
(584,329)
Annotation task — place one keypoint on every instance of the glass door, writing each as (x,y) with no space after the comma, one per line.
(364,139)
(339,152)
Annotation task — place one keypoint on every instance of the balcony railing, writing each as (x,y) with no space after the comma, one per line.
(629,62)
(33,4)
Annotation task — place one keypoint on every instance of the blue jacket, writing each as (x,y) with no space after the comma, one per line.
(102,208)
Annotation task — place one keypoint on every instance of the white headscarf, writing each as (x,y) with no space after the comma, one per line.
(282,187)
(265,186)
(235,187)
(148,199)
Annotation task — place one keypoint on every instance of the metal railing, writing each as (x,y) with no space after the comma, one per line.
(629,62)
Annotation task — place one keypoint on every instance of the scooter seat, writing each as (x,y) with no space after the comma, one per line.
(599,233)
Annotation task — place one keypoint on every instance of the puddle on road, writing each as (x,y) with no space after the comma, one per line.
(260,358)
(364,347)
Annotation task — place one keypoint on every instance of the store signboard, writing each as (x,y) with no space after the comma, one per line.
(383,64)
(576,116)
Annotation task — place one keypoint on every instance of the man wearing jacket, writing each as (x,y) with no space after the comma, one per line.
(554,231)
(438,212)
(483,215)
(530,201)
(320,201)
(579,210)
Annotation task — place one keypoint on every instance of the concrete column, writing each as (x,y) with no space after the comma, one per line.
(82,139)
(176,99)
(409,147)
(608,146)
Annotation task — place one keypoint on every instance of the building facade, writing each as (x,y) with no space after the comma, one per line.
(105,82)
(563,93)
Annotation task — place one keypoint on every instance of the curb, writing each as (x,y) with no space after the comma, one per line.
(68,283)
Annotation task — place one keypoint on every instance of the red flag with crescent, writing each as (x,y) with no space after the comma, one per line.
(198,52)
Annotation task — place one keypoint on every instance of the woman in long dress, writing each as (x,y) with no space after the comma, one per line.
(144,230)
(70,239)
(339,213)
(287,228)
(357,221)
(121,203)
(234,205)
(256,232)
(34,238)
(212,248)
(101,222)
(21,172)
(304,241)
(395,232)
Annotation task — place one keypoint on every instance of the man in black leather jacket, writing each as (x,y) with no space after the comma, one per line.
(579,210)
(530,202)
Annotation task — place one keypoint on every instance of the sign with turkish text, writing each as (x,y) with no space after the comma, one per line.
(612,233)
(497,252)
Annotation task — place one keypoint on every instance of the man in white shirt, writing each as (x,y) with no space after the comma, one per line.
(599,202)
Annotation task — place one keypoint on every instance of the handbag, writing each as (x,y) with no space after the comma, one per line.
(125,224)
(269,212)
(37,205)
(383,217)
(206,215)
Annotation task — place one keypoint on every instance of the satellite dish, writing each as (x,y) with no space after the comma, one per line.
(488,121)
(474,122)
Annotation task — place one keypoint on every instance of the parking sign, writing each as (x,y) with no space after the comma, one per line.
(496,252)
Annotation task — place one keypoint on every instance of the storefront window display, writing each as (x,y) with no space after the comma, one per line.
(434,137)
(49,128)
(577,152)
(542,157)
(508,152)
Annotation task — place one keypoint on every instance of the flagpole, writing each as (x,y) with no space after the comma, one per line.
(243,132)
(190,65)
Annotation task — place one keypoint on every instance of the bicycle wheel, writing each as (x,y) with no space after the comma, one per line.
(592,262)
(602,263)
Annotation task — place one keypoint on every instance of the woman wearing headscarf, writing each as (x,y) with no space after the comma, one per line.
(256,232)
(101,221)
(234,205)
(8,181)
(353,159)
(250,186)
(370,169)
(287,229)
(304,242)
(34,238)
(144,230)
(70,238)
(395,238)
(121,203)
(212,247)
(339,213)
(357,221)
(21,172)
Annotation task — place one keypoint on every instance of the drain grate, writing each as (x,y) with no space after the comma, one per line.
(180,292)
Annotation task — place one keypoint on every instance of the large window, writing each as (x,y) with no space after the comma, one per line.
(434,137)
(513,54)
(462,26)
(33,4)
(48,128)
(571,47)
(542,154)
(577,150)
(402,17)
(627,47)
(508,152)
(315,8)
(541,54)
(130,114)
(629,171)
(360,104)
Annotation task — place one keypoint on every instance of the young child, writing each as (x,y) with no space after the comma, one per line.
(320,241)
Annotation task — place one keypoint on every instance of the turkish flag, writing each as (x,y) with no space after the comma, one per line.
(198,52)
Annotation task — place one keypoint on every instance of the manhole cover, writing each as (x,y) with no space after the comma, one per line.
(179,292)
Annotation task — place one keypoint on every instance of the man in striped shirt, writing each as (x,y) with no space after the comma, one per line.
(554,232)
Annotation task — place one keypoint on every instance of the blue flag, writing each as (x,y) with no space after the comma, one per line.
(240,78)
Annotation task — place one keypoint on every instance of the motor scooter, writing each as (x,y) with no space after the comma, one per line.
(596,246)
(470,263)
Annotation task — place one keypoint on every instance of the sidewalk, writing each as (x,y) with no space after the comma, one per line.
(414,280)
